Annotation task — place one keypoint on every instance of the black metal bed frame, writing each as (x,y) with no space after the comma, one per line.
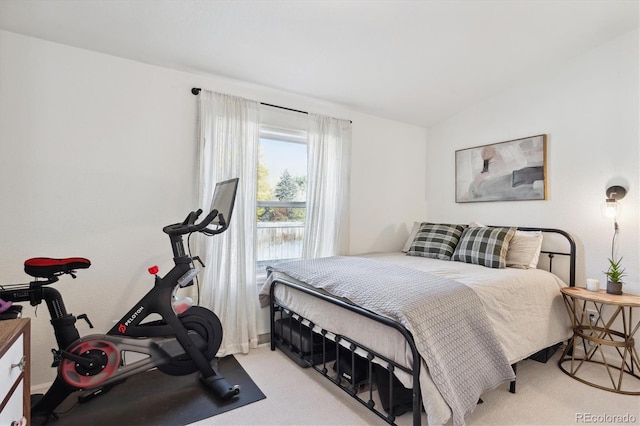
(319,362)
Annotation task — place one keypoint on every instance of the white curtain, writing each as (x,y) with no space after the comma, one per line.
(229,131)
(329,151)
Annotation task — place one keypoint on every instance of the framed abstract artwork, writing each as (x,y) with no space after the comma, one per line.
(505,171)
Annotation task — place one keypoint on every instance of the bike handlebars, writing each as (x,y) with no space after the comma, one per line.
(221,208)
(188,225)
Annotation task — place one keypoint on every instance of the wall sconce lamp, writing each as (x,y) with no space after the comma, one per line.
(612,208)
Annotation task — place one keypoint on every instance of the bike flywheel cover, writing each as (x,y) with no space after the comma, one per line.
(106,359)
(209,329)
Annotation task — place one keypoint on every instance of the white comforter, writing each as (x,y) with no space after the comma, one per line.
(524,307)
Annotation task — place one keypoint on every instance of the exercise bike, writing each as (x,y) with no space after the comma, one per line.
(184,340)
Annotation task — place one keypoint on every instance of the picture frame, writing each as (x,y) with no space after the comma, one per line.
(514,170)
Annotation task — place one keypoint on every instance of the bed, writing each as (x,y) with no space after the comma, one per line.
(478,318)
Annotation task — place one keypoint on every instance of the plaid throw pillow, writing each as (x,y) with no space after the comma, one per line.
(437,241)
(484,246)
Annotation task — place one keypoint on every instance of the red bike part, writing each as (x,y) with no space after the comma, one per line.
(108,360)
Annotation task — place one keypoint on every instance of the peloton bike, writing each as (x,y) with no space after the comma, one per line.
(184,340)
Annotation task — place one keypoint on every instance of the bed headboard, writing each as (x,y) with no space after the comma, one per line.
(556,242)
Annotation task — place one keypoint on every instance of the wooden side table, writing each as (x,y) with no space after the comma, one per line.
(595,337)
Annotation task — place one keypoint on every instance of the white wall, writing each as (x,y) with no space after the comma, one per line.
(98,153)
(589,108)
(386,183)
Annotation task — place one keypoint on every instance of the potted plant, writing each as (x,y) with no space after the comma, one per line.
(614,277)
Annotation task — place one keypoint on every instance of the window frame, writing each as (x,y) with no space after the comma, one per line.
(282,132)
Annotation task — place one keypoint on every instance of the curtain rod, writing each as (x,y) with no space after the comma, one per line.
(196,91)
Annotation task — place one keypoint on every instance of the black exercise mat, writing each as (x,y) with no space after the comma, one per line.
(154,398)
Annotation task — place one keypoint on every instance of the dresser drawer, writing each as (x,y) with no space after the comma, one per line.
(13,411)
(10,369)
(15,381)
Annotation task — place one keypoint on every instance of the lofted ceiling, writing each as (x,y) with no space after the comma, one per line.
(416,61)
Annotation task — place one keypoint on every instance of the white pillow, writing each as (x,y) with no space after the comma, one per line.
(412,236)
(524,250)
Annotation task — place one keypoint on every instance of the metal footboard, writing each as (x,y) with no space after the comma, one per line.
(354,348)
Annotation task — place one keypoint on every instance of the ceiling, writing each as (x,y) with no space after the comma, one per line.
(416,61)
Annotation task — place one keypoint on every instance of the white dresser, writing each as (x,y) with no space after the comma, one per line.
(15,343)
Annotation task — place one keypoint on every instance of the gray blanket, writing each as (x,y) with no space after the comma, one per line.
(446,318)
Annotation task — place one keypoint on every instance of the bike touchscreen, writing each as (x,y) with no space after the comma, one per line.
(224,197)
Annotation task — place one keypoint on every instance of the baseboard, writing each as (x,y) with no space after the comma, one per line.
(41,388)
(264,338)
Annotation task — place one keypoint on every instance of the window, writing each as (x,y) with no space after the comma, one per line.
(281,194)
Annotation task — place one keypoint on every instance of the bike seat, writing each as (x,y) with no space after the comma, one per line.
(46,267)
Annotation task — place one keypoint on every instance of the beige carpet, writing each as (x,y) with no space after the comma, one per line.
(545,396)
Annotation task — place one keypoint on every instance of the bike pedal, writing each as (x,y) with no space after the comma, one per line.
(57,357)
